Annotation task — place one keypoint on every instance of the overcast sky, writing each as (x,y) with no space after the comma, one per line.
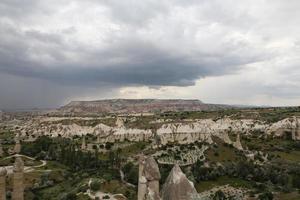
(218,51)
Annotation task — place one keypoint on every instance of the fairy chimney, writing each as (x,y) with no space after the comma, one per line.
(83,144)
(3,173)
(177,186)
(17,148)
(1,150)
(18,178)
(149,177)
(237,144)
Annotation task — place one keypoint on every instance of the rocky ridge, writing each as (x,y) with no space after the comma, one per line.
(183,133)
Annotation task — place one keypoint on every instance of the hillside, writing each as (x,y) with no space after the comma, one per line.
(137,106)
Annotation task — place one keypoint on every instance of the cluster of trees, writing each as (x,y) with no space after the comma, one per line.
(131,173)
(245,170)
(66,152)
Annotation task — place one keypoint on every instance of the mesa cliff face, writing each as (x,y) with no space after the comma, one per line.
(137,106)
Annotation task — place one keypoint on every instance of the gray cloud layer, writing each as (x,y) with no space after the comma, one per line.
(112,44)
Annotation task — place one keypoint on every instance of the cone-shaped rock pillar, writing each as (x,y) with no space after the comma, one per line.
(3,173)
(18,179)
(149,177)
(177,186)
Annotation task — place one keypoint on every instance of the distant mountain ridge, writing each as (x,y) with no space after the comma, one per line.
(138,106)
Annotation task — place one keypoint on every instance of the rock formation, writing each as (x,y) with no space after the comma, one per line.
(288,128)
(17,148)
(237,144)
(177,186)
(83,144)
(18,179)
(1,150)
(182,133)
(119,122)
(3,173)
(149,175)
(98,139)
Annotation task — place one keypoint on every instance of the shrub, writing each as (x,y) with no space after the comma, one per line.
(266,196)
(95,185)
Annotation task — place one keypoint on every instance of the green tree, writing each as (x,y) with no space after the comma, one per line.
(219,195)
(266,196)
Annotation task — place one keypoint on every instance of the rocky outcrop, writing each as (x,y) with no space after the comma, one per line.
(18,180)
(3,173)
(83,144)
(177,186)
(288,128)
(1,150)
(237,144)
(182,133)
(210,126)
(203,130)
(17,147)
(149,176)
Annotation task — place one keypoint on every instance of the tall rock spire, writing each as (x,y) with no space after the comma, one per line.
(17,148)
(83,144)
(149,177)
(1,149)
(18,179)
(237,144)
(3,173)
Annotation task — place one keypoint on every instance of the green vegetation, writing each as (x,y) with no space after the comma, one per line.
(222,152)
(264,114)
(292,156)
(116,187)
(71,168)
(84,122)
(131,173)
(224,180)
(288,196)
(27,161)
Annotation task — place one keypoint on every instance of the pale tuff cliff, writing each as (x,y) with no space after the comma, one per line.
(136,106)
(184,133)
(289,128)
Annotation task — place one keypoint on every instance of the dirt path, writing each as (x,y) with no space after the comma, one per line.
(27,169)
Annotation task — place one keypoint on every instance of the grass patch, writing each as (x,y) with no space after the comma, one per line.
(288,196)
(234,182)
(116,187)
(292,156)
(222,153)
(126,151)
(53,165)
(133,149)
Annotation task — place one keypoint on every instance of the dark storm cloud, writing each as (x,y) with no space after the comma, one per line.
(112,44)
(128,61)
